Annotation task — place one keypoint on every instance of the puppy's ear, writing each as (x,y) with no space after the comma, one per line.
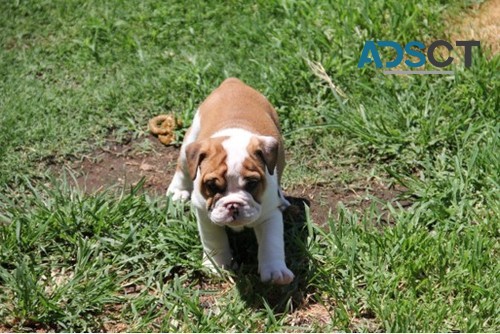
(266,149)
(195,153)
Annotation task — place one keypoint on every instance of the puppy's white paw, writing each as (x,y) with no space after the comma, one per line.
(276,273)
(179,194)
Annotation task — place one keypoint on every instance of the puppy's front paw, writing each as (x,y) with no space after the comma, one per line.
(276,273)
(179,194)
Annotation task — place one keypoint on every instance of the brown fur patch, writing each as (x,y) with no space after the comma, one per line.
(213,170)
(254,169)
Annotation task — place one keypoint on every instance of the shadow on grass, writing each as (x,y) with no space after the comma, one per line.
(279,298)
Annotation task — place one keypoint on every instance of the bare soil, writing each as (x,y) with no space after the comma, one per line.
(120,165)
(125,164)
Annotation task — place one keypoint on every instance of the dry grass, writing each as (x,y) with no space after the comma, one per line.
(481,23)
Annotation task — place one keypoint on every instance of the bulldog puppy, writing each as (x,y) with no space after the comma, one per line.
(230,165)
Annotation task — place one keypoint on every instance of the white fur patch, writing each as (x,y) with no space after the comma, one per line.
(236,148)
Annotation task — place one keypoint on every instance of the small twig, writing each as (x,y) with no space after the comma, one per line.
(319,71)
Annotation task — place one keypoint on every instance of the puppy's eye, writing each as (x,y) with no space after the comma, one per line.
(212,186)
(251,185)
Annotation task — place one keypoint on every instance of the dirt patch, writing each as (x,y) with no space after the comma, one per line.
(325,200)
(312,314)
(122,165)
(125,164)
(481,22)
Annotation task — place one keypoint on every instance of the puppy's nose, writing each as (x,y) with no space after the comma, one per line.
(233,206)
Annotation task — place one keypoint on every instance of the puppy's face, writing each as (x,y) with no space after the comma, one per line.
(230,176)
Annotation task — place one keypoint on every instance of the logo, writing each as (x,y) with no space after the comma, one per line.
(414,49)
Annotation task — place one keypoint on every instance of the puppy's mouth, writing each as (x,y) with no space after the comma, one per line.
(233,214)
(235,209)
(230,218)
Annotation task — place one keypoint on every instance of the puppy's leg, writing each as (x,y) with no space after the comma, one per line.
(272,266)
(216,249)
(181,185)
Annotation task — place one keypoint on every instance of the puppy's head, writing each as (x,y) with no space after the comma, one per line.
(231,174)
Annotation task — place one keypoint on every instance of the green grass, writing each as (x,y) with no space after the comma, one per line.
(75,73)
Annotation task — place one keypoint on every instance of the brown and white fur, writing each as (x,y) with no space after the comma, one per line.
(230,165)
